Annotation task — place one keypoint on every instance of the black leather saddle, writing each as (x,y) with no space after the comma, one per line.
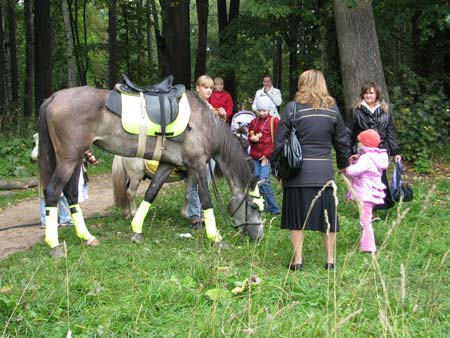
(161,100)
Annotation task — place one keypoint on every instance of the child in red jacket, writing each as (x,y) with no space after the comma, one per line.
(221,100)
(261,135)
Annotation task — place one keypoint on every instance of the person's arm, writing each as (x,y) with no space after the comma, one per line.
(359,167)
(269,150)
(340,142)
(391,137)
(229,107)
(275,96)
(254,101)
(282,130)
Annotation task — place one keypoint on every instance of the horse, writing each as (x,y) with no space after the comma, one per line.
(72,119)
(128,173)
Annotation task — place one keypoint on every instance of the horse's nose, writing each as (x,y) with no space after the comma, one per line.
(257,233)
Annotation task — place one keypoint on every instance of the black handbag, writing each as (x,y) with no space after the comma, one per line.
(399,189)
(289,161)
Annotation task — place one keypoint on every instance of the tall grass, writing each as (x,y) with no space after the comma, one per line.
(158,289)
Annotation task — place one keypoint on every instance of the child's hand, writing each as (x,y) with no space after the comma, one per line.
(254,138)
(354,158)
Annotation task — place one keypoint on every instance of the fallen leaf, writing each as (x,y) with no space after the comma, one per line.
(218,294)
(6,288)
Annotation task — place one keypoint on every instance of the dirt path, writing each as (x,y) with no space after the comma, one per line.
(27,211)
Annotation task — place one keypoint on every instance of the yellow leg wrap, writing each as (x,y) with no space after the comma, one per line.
(80,225)
(138,219)
(210,225)
(51,227)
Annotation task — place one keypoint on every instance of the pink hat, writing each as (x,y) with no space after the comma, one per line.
(369,138)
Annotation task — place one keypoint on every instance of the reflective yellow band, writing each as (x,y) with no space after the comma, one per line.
(80,225)
(210,225)
(51,227)
(138,219)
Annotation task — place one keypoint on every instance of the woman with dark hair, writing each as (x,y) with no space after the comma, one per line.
(309,201)
(371,111)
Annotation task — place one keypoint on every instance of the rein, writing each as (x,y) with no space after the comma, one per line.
(222,209)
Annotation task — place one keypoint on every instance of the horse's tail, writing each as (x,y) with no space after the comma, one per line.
(47,157)
(120,183)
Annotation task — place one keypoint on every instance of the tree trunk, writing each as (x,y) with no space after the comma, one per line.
(127,40)
(13,50)
(181,60)
(139,39)
(358,49)
(29,58)
(2,67)
(112,44)
(43,51)
(149,33)
(164,41)
(202,18)
(71,71)
(293,71)
(277,61)
(227,41)
(160,42)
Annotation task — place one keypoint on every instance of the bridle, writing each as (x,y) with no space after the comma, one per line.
(243,227)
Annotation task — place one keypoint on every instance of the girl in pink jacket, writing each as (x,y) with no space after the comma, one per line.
(366,183)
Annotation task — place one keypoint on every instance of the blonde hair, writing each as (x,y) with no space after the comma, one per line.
(312,89)
(380,97)
(218,79)
(204,81)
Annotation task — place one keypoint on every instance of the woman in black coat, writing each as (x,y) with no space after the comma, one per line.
(372,112)
(320,127)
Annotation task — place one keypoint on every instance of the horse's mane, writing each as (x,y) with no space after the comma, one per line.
(231,150)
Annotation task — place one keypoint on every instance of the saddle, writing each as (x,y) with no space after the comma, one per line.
(160,100)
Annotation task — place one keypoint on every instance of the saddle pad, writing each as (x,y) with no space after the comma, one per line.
(177,174)
(134,114)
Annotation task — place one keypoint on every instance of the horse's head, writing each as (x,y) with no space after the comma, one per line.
(246,210)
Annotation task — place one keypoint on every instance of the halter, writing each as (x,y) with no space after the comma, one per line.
(243,226)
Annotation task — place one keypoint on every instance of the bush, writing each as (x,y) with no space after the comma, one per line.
(422,116)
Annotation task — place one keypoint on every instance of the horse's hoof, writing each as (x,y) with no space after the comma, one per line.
(137,238)
(93,242)
(222,245)
(57,252)
(198,226)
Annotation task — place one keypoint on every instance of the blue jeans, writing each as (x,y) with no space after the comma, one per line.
(195,206)
(263,173)
(63,211)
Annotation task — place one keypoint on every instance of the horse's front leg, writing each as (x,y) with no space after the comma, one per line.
(158,180)
(208,213)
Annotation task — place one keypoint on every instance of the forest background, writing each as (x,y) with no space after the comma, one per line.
(48,45)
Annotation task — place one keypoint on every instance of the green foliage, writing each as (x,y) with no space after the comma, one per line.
(158,289)
(15,155)
(422,117)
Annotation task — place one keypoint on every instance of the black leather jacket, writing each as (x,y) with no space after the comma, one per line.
(362,119)
(318,131)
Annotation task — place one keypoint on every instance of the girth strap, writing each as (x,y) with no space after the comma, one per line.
(142,138)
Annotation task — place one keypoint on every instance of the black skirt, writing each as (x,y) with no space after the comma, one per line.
(296,204)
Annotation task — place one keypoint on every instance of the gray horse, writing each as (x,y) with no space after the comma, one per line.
(73,119)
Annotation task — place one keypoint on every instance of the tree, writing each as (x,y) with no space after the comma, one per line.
(227,40)
(29,58)
(43,52)
(13,50)
(202,42)
(2,66)
(358,48)
(71,71)
(112,44)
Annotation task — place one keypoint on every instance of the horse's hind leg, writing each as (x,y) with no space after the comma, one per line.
(158,180)
(71,192)
(52,194)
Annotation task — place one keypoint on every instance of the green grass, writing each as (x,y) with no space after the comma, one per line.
(157,289)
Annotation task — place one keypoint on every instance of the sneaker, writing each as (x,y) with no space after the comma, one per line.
(64,225)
